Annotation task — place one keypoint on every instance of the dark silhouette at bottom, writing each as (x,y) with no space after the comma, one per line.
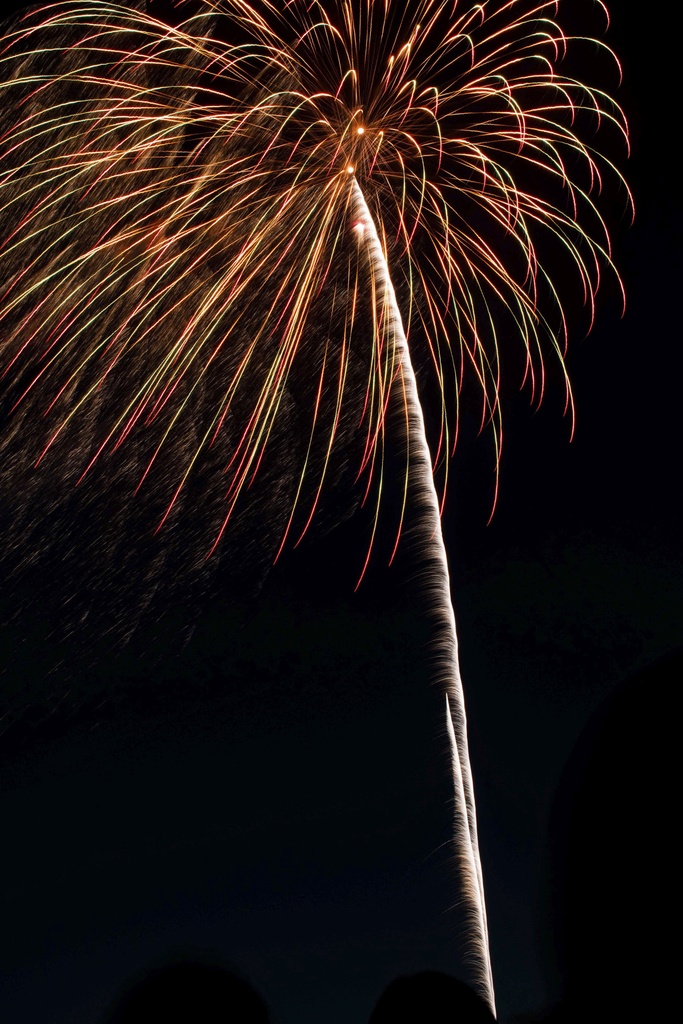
(430,997)
(192,992)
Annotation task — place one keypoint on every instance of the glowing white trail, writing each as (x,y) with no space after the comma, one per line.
(438,587)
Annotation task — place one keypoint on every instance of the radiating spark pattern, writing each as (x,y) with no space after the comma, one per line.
(139,154)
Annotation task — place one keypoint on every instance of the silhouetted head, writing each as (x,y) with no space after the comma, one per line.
(430,998)
(192,992)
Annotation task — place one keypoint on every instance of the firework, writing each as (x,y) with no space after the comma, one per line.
(438,590)
(139,155)
(180,205)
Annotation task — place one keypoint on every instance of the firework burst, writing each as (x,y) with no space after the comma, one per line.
(140,156)
(183,206)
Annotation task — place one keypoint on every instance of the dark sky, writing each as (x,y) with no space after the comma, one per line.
(278,795)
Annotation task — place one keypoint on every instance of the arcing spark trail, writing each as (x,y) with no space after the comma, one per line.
(436,583)
(137,156)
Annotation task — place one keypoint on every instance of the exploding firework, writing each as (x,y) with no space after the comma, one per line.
(141,159)
(184,207)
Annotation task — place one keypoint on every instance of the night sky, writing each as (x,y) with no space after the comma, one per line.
(276,795)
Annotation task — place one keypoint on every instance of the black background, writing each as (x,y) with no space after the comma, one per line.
(262,799)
